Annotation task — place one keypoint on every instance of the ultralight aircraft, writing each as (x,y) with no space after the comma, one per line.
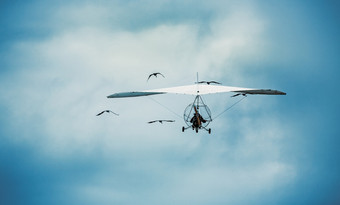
(197,115)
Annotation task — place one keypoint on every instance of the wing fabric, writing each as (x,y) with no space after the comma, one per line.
(201,89)
(198,89)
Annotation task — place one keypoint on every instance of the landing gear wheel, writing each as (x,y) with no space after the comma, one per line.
(183,129)
(196,130)
(209,131)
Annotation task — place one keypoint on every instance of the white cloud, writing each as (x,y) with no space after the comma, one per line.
(74,68)
(69,75)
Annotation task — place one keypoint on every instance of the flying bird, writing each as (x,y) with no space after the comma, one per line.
(208,82)
(106,111)
(161,121)
(155,74)
(245,95)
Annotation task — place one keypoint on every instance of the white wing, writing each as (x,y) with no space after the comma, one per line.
(198,89)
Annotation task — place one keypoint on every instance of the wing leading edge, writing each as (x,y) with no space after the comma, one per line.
(198,89)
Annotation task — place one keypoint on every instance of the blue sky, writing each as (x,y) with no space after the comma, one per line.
(59,61)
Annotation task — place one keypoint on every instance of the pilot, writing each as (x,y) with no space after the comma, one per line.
(194,120)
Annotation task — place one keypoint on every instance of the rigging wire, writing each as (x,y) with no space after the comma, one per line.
(181,116)
(229,107)
(165,107)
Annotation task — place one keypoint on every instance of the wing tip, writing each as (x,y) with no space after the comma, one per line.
(132,94)
(277,92)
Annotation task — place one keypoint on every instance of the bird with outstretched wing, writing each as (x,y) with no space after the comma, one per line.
(161,121)
(209,82)
(155,74)
(108,111)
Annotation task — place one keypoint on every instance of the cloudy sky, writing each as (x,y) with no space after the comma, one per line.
(60,59)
